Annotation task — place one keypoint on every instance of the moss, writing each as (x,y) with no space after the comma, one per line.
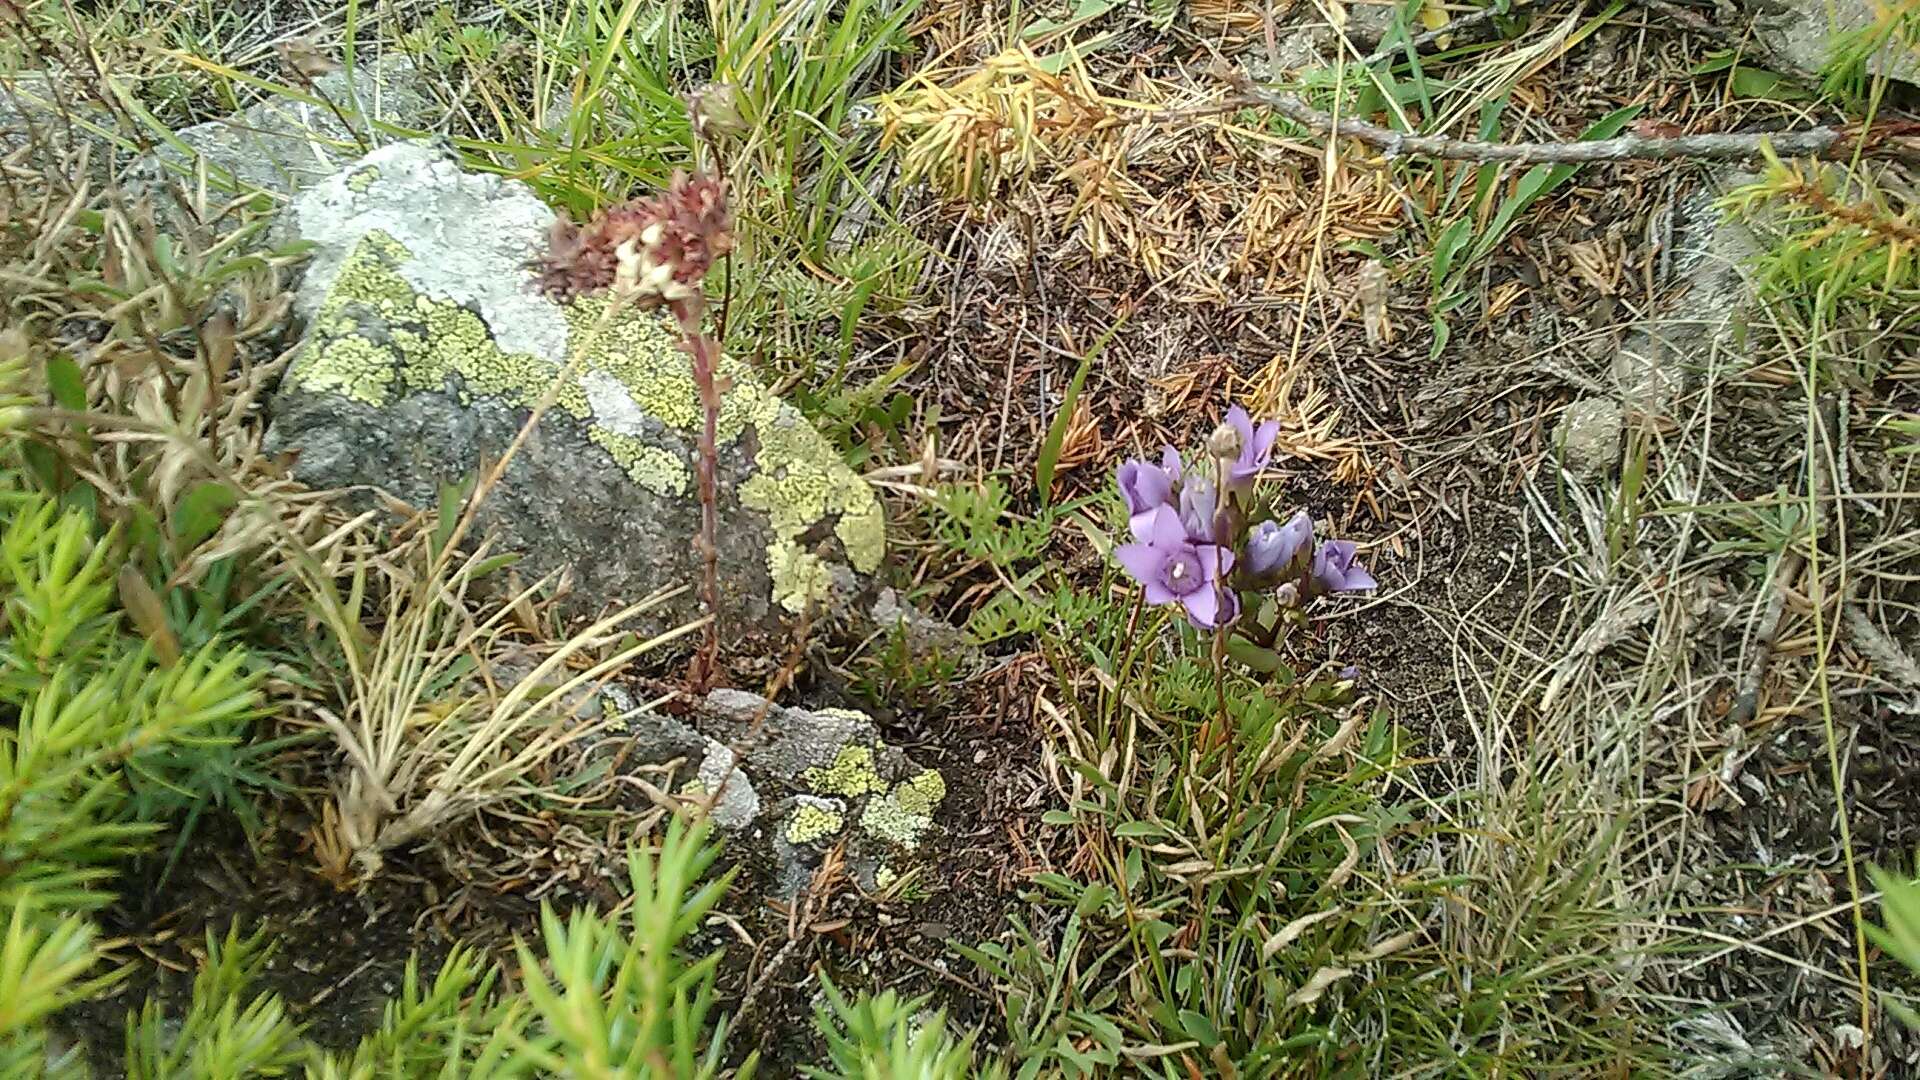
(812,822)
(852,774)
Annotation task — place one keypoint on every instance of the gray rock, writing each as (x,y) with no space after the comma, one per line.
(1658,358)
(1802,34)
(842,784)
(283,146)
(1588,437)
(925,637)
(801,781)
(54,120)
(426,345)
(738,803)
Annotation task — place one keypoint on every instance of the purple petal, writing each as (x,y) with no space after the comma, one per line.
(1273,548)
(1203,607)
(1157,594)
(1170,463)
(1358,578)
(1263,441)
(1139,523)
(1243,424)
(1144,486)
(1214,561)
(1141,562)
(1164,528)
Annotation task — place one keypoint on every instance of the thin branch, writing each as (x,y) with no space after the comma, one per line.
(1455,28)
(1899,139)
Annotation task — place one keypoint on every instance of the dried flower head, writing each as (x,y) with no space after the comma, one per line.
(654,250)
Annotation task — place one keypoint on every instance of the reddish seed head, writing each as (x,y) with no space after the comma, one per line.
(695,230)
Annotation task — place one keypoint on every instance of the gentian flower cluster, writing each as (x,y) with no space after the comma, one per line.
(1195,542)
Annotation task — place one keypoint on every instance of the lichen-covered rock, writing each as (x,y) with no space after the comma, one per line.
(427,345)
(1709,297)
(842,784)
(284,145)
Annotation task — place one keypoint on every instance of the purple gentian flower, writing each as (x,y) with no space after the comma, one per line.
(1273,548)
(1256,448)
(1173,568)
(1146,486)
(1335,571)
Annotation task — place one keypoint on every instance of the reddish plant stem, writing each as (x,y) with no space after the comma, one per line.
(705,353)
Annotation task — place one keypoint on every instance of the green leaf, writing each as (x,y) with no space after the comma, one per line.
(1752,82)
(1057,817)
(67,383)
(1057,432)
(1716,62)
(200,511)
(1198,1027)
(452,498)
(1138,830)
(1446,247)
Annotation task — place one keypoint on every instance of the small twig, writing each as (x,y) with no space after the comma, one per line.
(1747,701)
(1458,26)
(1899,139)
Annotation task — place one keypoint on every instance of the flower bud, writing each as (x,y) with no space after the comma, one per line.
(1225,442)
(716,108)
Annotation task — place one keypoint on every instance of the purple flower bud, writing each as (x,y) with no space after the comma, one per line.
(1147,487)
(1174,569)
(1256,448)
(1199,509)
(1335,571)
(1273,549)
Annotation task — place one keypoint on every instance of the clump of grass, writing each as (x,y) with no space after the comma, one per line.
(429,732)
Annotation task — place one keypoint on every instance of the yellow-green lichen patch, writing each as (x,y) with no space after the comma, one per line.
(922,793)
(906,812)
(800,480)
(799,577)
(851,774)
(884,877)
(811,823)
(352,367)
(375,334)
(844,714)
(363,179)
(655,468)
(643,355)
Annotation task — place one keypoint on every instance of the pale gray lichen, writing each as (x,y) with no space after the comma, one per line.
(424,342)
